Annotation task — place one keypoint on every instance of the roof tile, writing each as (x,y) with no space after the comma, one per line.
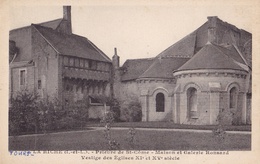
(72,45)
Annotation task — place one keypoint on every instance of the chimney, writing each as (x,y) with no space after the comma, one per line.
(115,59)
(67,13)
(212,25)
(67,19)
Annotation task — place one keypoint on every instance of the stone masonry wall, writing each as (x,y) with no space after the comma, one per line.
(46,69)
(212,96)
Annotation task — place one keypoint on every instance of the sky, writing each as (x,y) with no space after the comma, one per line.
(137,31)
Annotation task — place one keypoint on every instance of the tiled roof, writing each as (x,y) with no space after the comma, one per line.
(132,69)
(163,67)
(210,57)
(72,45)
(52,24)
(231,51)
(183,48)
(86,74)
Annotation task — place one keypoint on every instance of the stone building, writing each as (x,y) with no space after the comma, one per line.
(48,59)
(192,81)
(206,73)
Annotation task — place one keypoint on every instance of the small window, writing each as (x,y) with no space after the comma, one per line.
(86,64)
(99,65)
(65,61)
(107,67)
(22,77)
(160,102)
(76,62)
(81,63)
(233,97)
(90,64)
(71,62)
(192,103)
(94,65)
(39,84)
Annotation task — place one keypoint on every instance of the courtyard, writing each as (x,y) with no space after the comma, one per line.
(143,139)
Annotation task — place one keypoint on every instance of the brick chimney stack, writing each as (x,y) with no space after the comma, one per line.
(67,13)
(212,25)
(115,59)
(67,19)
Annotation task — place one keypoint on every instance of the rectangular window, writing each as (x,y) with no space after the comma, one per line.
(71,62)
(107,67)
(86,64)
(22,77)
(94,65)
(65,61)
(76,62)
(39,84)
(81,63)
(99,65)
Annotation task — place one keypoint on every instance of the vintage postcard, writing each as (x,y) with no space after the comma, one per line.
(130,81)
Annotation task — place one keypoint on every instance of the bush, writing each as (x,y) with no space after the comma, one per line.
(132,111)
(29,114)
(229,117)
(115,109)
(23,113)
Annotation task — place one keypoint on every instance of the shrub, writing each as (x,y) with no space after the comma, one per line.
(28,114)
(132,111)
(115,109)
(23,113)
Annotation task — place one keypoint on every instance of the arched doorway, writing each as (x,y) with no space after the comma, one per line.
(192,103)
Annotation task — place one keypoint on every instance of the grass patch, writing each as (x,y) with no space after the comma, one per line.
(160,140)
(171,125)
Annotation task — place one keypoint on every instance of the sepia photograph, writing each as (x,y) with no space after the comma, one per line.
(130,82)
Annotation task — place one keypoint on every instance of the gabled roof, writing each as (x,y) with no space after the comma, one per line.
(163,67)
(72,45)
(210,57)
(52,24)
(132,69)
(183,48)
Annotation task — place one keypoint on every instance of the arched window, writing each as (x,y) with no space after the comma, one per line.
(160,102)
(192,103)
(232,97)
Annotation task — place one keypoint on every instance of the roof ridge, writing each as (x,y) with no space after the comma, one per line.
(50,21)
(230,58)
(192,33)
(20,28)
(240,54)
(99,50)
(141,59)
(35,26)
(225,55)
